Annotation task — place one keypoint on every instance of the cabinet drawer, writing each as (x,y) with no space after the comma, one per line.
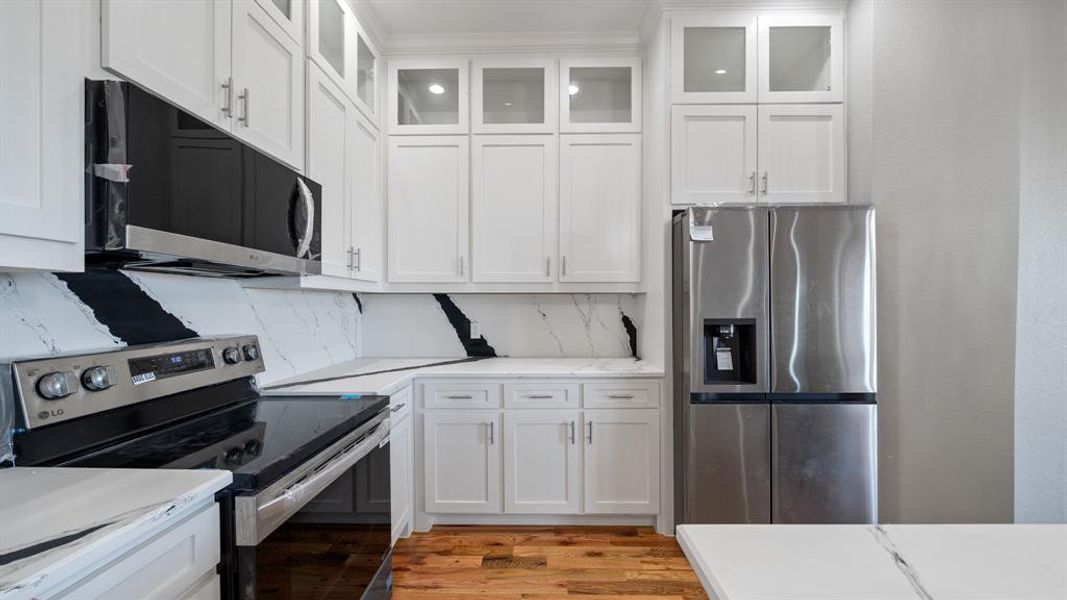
(543,394)
(400,405)
(162,567)
(461,395)
(621,394)
(208,588)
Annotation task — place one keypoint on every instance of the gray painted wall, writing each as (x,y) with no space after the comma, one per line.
(1041,338)
(948,161)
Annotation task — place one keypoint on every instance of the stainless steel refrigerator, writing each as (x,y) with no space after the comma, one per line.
(774,354)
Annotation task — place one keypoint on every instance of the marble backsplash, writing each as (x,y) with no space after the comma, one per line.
(43,314)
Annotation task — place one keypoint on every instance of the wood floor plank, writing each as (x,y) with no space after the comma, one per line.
(542,563)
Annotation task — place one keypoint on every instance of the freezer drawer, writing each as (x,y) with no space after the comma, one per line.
(824,463)
(729,464)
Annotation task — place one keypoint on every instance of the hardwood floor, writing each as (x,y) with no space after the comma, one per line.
(541,563)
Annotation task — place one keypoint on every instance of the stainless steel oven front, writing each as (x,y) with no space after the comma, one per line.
(322,530)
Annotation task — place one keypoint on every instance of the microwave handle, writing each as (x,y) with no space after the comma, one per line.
(303,247)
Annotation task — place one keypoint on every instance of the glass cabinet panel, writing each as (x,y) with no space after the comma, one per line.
(800,59)
(331,35)
(427,97)
(600,94)
(285,6)
(513,95)
(366,72)
(714,59)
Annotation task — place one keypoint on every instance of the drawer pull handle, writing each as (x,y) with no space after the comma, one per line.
(397,408)
(460,397)
(621,396)
(540,396)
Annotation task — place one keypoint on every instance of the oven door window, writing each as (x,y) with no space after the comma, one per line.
(338,545)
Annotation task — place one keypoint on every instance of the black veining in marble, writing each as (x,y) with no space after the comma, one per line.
(882,537)
(475,347)
(631,333)
(124,308)
(47,545)
(359,303)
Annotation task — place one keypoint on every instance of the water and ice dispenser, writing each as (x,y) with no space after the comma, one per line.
(730,351)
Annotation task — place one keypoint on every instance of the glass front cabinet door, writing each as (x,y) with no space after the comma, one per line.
(601,95)
(428,97)
(344,52)
(801,58)
(289,14)
(715,59)
(514,96)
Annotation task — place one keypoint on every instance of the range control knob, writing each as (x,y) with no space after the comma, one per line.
(97,378)
(54,386)
(253,447)
(233,456)
(251,352)
(231,355)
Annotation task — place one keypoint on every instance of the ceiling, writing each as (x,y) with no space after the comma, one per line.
(508,16)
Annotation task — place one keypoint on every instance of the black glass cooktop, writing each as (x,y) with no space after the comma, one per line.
(259,440)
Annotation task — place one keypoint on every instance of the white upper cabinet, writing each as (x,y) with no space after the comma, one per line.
(513,203)
(514,96)
(368,63)
(428,208)
(338,44)
(288,14)
(365,200)
(329,156)
(268,80)
(802,153)
(600,95)
(428,96)
(42,154)
(715,58)
(713,154)
(622,461)
(542,462)
(179,49)
(600,208)
(801,58)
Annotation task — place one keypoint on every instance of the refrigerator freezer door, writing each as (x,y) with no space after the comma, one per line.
(824,463)
(726,272)
(729,472)
(822,299)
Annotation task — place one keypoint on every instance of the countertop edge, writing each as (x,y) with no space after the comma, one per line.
(55,576)
(711,586)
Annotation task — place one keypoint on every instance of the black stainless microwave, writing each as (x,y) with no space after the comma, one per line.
(166,191)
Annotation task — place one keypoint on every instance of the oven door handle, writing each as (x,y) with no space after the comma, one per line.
(272,513)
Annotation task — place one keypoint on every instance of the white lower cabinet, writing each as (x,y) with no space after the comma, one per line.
(402,466)
(542,461)
(622,461)
(461,458)
(179,563)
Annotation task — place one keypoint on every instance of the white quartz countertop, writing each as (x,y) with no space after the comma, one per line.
(57,524)
(884,562)
(387,375)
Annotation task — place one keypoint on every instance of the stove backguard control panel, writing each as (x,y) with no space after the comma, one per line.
(51,390)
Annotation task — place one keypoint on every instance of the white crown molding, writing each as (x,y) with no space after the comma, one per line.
(684,5)
(606,42)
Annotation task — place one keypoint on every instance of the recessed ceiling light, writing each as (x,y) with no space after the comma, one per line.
(436,88)
(507,104)
(720,71)
(572,89)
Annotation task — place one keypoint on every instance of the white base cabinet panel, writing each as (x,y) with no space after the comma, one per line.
(622,461)
(461,459)
(402,464)
(542,462)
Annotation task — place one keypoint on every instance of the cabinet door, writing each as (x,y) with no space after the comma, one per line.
(427,96)
(801,58)
(713,154)
(268,79)
(427,209)
(513,201)
(514,96)
(365,204)
(402,470)
(461,460)
(42,155)
(367,65)
(622,461)
(329,159)
(600,208)
(288,14)
(331,31)
(713,58)
(600,95)
(542,462)
(802,153)
(178,49)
